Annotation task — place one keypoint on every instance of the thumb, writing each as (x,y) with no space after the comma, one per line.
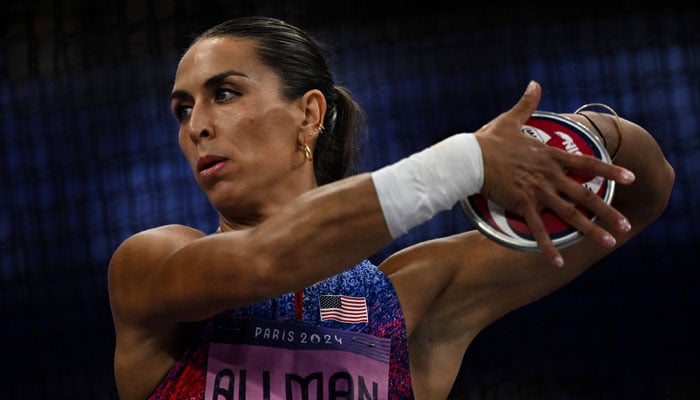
(528,103)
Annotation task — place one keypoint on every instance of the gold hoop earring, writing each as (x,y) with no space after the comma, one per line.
(320,127)
(307,153)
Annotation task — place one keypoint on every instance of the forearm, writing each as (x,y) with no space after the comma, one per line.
(317,235)
(348,221)
(324,231)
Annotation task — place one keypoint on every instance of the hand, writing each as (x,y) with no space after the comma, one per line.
(525,176)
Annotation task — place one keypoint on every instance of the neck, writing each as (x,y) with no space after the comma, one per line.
(240,217)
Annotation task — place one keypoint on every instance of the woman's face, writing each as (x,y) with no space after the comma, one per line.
(240,135)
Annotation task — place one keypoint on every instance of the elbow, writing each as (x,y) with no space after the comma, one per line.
(665,182)
(647,205)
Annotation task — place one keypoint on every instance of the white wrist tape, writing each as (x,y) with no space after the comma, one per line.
(411,191)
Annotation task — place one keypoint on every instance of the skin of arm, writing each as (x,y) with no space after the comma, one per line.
(474,281)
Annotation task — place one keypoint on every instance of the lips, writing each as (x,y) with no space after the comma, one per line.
(208,166)
(209,161)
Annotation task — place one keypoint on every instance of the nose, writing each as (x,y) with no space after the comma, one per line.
(201,125)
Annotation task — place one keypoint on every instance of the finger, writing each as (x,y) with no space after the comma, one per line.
(528,103)
(541,235)
(584,197)
(593,203)
(594,166)
(575,218)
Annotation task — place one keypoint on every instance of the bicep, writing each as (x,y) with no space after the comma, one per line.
(464,282)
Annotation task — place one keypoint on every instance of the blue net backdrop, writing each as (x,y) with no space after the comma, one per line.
(89,156)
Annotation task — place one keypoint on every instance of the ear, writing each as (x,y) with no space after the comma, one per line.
(314,106)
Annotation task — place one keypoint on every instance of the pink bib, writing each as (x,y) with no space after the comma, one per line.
(257,359)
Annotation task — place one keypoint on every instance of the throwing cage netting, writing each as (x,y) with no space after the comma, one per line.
(89,155)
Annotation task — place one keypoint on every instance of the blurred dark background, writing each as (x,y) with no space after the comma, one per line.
(89,155)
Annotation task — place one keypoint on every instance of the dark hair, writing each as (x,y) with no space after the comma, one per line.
(298,60)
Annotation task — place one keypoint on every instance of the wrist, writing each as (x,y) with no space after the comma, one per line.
(411,191)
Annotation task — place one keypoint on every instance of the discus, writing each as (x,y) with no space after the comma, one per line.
(510,229)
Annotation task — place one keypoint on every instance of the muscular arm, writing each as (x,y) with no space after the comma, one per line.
(189,276)
(474,281)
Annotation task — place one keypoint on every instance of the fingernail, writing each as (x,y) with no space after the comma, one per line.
(609,240)
(628,175)
(624,225)
(531,87)
(558,261)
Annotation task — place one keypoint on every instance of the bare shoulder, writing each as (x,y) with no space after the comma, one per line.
(152,243)
(136,258)
(162,234)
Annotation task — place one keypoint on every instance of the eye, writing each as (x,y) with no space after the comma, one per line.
(225,94)
(182,111)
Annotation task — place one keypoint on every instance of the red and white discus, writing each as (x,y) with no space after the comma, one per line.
(510,229)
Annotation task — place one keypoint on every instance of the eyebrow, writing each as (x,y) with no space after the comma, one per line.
(209,83)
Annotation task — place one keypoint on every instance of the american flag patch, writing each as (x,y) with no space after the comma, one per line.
(343,308)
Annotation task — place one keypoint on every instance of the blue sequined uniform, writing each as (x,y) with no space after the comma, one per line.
(186,380)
